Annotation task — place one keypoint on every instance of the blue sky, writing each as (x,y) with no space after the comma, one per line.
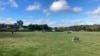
(51,12)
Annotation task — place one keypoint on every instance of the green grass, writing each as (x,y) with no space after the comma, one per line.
(49,44)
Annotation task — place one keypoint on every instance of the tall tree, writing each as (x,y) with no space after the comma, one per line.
(20,23)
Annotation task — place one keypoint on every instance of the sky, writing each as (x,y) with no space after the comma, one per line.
(55,13)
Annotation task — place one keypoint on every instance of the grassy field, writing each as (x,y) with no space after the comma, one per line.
(49,44)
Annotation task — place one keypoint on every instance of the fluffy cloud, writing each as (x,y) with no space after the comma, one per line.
(52,23)
(55,24)
(7,20)
(39,21)
(75,22)
(77,9)
(60,5)
(42,21)
(95,13)
(35,6)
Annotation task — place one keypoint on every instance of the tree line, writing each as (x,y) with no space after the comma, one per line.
(18,26)
(95,27)
(36,27)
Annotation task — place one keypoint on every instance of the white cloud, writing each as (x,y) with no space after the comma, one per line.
(66,24)
(85,22)
(52,23)
(35,6)
(60,5)
(7,20)
(77,9)
(95,13)
(27,22)
(42,21)
(13,3)
(75,22)
(58,24)
(39,21)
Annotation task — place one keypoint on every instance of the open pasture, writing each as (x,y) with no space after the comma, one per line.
(49,44)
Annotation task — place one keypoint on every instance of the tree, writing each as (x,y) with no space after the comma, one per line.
(39,27)
(45,27)
(20,23)
(31,27)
